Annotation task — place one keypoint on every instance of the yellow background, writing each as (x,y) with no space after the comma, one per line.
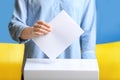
(108,56)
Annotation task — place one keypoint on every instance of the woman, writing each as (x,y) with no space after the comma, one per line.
(30,19)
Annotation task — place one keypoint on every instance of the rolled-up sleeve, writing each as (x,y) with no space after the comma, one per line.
(88,39)
(18,21)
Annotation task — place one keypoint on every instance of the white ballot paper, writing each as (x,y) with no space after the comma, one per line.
(64,31)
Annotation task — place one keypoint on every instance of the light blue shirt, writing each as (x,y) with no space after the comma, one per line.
(83,12)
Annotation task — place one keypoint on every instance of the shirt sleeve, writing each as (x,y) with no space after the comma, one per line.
(18,21)
(88,39)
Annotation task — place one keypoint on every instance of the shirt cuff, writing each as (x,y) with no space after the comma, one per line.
(19,34)
(88,55)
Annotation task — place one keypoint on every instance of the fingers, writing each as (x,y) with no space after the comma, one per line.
(41,28)
(43,23)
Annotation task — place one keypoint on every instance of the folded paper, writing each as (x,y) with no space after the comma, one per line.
(64,32)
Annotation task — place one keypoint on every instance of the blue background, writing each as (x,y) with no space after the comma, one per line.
(108,20)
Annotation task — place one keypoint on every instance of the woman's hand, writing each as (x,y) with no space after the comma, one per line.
(40,28)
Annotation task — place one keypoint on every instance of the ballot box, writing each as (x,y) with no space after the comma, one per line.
(61,69)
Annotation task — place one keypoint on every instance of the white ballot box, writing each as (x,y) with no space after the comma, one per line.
(61,69)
